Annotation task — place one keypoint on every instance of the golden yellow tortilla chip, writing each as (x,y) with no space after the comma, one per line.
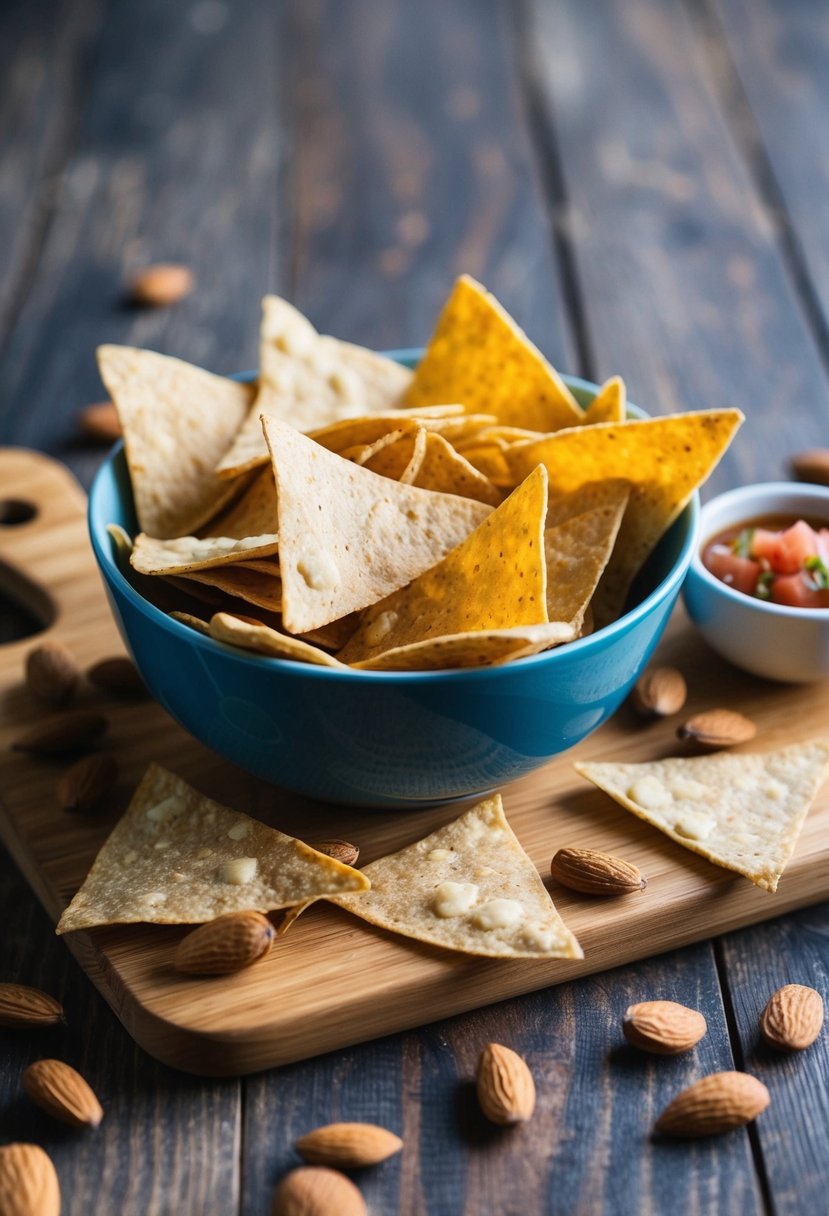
(398,455)
(348,537)
(442,468)
(495,579)
(479,648)
(263,639)
(372,428)
(743,812)
(176,857)
(491,462)
(468,886)
(609,404)
(479,356)
(577,552)
(188,553)
(664,459)
(178,422)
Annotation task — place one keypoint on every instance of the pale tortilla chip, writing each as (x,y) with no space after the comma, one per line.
(609,404)
(397,455)
(445,470)
(480,648)
(495,579)
(577,551)
(188,553)
(178,422)
(176,857)
(263,588)
(262,639)
(479,356)
(743,812)
(254,514)
(348,537)
(496,906)
(193,622)
(664,459)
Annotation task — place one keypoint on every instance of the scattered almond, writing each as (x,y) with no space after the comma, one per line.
(313,1190)
(118,676)
(85,786)
(70,733)
(225,945)
(100,422)
(161,285)
(664,1028)
(28,1182)
(505,1086)
(340,850)
(718,728)
(595,873)
(793,1017)
(717,1103)
(52,674)
(21,1006)
(63,1093)
(812,466)
(348,1145)
(659,692)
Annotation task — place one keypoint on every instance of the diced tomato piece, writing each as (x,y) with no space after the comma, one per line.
(741,573)
(823,545)
(795,591)
(765,545)
(797,543)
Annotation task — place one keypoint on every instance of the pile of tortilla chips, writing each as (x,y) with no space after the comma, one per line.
(346,511)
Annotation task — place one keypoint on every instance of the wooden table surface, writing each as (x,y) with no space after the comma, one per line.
(644,184)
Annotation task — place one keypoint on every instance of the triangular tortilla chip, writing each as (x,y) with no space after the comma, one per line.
(397,455)
(495,579)
(469,886)
(309,380)
(479,356)
(177,858)
(664,459)
(609,404)
(178,422)
(262,587)
(480,648)
(445,470)
(263,639)
(254,514)
(348,537)
(577,551)
(369,428)
(743,812)
(150,556)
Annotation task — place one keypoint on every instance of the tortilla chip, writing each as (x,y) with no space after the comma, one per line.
(348,537)
(263,588)
(495,579)
(491,462)
(188,553)
(193,622)
(664,459)
(445,470)
(577,552)
(370,428)
(609,404)
(480,648)
(253,514)
(492,901)
(743,812)
(309,380)
(397,455)
(252,635)
(177,858)
(479,356)
(178,422)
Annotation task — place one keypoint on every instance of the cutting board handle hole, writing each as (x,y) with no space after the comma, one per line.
(25,607)
(14,511)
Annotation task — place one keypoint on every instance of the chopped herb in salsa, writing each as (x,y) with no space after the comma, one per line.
(782,561)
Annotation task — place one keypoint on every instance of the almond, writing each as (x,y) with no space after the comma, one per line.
(717,1103)
(340,850)
(27,1007)
(505,1086)
(52,674)
(348,1145)
(812,466)
(100,422)
(793,1017)
(161,285)
(86,785)
(718,728)
(313,1190)
(659,692)
(118,676)
(28,1182)
(664,1028)
(225,945)
(595,873)
(62,1092)
(57,736)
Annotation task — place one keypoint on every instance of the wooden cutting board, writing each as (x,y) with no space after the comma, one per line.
(332,980)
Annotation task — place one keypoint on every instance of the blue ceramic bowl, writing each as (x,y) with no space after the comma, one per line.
(386,739)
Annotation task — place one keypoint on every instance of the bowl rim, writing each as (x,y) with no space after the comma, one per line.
(754,494)
(675,577)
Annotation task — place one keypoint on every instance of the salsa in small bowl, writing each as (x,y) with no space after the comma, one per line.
(758,585)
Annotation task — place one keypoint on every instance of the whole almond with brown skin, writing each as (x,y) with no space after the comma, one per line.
(505,1086)
(100,422)
(340,850)
(28,1182)
(595,873)
(21,1006)
(659,692)
(63,1093)
(314,1190)
(793,1017)
(348,1145)
(52,673)
(59,736)
(225,945)
(88,783)
(718,728)
(118,676)
(717,1103)
(664,1028)
(161,285)
(812,466)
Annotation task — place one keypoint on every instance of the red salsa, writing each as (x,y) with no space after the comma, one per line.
(784,561)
